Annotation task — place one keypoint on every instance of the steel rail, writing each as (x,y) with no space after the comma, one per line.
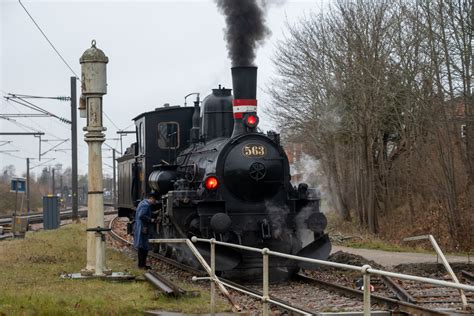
(257,294)
(169,261)
(201,275)
(35,218)
(40,213)
(163,284)
(399,291)
(389,302)
(341,265)
(468,276)
(155,255)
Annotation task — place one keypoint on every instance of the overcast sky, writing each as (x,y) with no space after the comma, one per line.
(158,51)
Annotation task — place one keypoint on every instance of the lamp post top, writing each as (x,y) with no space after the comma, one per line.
(93,55)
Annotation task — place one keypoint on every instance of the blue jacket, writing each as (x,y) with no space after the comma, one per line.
(142,219)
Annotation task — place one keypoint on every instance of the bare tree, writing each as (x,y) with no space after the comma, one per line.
(378,90)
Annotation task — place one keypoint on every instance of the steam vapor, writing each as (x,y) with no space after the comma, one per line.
(245,29)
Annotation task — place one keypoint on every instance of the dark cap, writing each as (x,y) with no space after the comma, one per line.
(152,195)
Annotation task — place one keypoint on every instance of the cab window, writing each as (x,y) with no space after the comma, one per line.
(141,140)
(168,135)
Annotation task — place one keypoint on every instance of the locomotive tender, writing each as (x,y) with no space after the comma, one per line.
(219,177)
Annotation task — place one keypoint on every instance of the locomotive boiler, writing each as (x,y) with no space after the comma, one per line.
(219,177)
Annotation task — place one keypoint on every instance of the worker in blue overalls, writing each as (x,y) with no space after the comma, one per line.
(143,228)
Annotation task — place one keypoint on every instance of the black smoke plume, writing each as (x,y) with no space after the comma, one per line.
(245,29)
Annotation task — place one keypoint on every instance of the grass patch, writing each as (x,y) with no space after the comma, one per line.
(338,228)
(30,283)
(378,244)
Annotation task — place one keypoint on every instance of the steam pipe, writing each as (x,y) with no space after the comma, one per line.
(196,130)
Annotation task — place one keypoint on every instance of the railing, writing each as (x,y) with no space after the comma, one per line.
(365,270)
(445,262)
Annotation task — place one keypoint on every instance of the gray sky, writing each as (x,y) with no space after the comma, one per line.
(158,51)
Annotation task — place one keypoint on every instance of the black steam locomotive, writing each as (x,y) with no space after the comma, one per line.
(219,177)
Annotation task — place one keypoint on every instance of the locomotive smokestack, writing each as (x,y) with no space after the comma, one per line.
(244,84)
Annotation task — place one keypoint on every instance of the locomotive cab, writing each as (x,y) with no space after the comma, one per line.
(161,135)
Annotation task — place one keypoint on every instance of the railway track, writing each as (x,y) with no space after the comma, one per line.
(402,298)
(426,294)
(199,273)
(468,277)
(392,304)
(35,218)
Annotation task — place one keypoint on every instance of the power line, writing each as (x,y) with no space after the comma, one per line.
(23,150)
(35,107)
(12,155)
(36,123)
(22,126)
(111,121)
(23,115)
(121,130)
(26,96)
(57,52)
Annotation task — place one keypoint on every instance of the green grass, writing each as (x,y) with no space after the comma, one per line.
(30,282)
(378,244)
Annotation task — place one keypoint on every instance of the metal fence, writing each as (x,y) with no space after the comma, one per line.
(365,270)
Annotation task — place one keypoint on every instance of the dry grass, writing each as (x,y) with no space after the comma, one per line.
(362,239)
(30,283)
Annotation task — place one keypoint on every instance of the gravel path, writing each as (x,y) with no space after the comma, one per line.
(390,259)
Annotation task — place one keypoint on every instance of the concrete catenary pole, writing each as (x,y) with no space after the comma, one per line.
(94,86)
(27,185)
(75,204)
(53,189)
(114,180)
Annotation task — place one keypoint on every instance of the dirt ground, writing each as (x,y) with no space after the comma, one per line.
(391,259)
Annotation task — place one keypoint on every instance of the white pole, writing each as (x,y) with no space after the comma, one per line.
(266,296)
(213,276)
(448,268)
(366,277)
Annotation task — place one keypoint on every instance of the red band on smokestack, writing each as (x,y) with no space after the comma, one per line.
(244,102)
(242,106)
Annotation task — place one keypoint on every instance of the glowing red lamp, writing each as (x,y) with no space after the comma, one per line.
(251,120)
(211,183)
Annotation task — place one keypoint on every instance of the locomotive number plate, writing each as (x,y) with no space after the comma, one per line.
(254,150)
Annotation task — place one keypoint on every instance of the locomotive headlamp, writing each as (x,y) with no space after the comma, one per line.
(251,120)
(211,183)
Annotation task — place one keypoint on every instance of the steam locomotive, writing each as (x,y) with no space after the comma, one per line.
(219,177)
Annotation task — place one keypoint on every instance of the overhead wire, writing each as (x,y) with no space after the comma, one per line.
(49,133)
(59,54)
(67,65)
(47,39)
(27,96)
(26,151)
(121,130)
(113,123)
(21,125)
(35,107)
(12,155)
(36,123)
(57,138)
